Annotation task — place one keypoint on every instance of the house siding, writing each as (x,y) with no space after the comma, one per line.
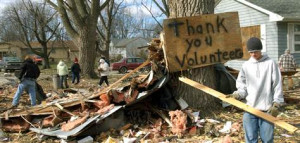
(282,37)
(132,48)
(129,48)
(283,40)
(251,17)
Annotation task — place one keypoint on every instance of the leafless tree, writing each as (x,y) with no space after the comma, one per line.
(105,29)
(36,23)
(125,24)
(80,19)
(8,31)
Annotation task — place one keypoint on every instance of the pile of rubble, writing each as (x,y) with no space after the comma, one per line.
(141,111)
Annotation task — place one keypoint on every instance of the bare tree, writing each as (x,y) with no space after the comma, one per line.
(205,75)
(80,19)
(105,29)
(125,25)
(36,23)
(8,31)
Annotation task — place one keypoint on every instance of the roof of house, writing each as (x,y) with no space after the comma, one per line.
(125,42)
(289,9)
(55,44)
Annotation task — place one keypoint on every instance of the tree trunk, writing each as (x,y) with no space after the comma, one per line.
(105,52)
(45,62)
(205,75)
(87,54)
(44,55)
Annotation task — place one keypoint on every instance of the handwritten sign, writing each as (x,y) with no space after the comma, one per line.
(192,42)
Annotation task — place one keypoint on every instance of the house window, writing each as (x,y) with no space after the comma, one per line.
(297,37)
(294,37)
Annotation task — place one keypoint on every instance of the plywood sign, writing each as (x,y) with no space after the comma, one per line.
(198,41)
(247,33)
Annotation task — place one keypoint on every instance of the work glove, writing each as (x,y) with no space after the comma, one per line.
(274,109)
(234,95)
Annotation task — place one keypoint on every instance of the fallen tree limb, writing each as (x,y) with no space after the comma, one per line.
(239,104)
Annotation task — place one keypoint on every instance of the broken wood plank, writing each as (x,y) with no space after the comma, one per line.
(47,109)
(239,104)
(125,76)
(62,108)
(161,114)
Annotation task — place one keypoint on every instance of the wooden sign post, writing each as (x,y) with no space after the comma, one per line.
(198,41)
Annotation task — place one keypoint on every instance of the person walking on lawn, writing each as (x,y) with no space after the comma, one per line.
(75,69)
(103,69)
(28,75)
(259,82)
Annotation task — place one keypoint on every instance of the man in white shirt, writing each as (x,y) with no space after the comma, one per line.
(259,82)
(103,68)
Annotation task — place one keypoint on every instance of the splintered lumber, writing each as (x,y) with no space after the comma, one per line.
(161,114)
(239,104)
(124,77)
(47,109)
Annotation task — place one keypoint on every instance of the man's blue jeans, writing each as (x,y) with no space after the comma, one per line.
(254,125)
(63,81)
(29,85)
(75,76)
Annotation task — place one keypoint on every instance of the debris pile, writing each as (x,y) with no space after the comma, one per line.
(142,110)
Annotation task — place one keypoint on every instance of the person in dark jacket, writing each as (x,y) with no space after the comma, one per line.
(75,69)
(28,75)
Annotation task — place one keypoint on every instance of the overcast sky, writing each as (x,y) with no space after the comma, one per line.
(3,3)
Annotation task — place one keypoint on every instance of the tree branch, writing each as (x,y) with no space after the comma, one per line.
(103,21)
(52,4)
(65,19)
(75,15)
(152,15)
(117,8)
(100,33)
(53,33)
(164,10)
(81,8)
(104,5)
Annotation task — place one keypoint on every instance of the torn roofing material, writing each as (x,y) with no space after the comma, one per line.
(76,131)
(142,95)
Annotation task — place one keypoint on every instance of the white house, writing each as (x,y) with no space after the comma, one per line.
(128,47)
(275,22)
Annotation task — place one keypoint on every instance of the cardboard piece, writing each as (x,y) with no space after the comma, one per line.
(197,41)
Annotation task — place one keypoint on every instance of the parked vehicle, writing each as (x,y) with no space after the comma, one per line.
(126,64)
(10,64)
(38,59)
